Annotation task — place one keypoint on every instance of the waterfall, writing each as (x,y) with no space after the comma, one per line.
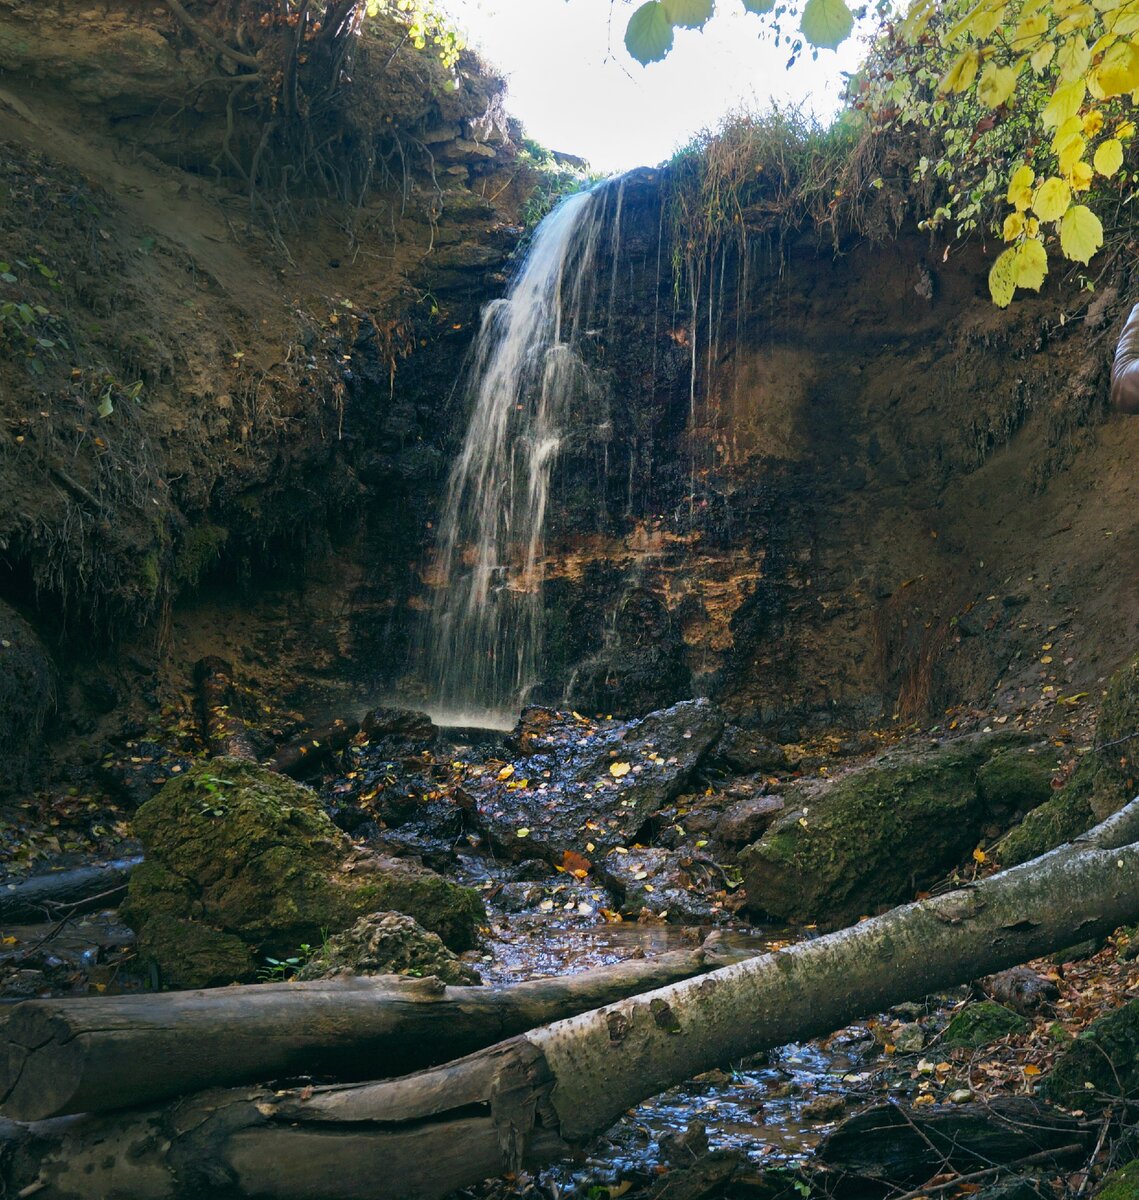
(523,386)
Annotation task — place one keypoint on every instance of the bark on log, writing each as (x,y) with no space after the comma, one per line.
(224,731)
(535,1097)
(304,755)
(65,893)
(98,1054)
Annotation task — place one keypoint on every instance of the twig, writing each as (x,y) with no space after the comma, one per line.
(988,1172)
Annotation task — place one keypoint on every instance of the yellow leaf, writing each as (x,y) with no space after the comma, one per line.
(506,772)
(1028,31)
(1032,227)
(1070,153)
(1002,278)
(1124,24)
(1031,264)
(979,856)
(9,940)
(1081,233)
(1078,18)
(1013,227)
(1073,58)
(996,85)
(926,1098)
(961,75)
(1081,176)
(1125,130)
(618,769)
(1052,199)
(917,19)
(1032,1069)
(1092,122)
(1118,72)
(1020,188)
(1066,101)
(1042,56)
(984,23)
(522,833)
(1108,157)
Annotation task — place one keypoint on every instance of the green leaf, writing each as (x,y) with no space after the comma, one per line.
(826,23)
(106,405)
(688,14)
(759,7)
(1081,233)
(648,36)
(1002,278)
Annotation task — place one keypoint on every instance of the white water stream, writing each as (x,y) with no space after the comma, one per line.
(524,386)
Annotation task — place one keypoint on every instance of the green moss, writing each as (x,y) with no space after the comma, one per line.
(982,1024)
(854,849)
(1120,1185)
(199,550)
(1017,779)
(1105,779)
(252,855)
(190,954)
(1101,1065)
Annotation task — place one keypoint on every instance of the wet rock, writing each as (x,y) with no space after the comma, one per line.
(27,692)
(387,943)
(1105,779)
(746,820)
(678,887)
(745,751)
(981,1024)
(869,839)
(1022,990)
(824,1108)
(399,730)
(593,786)
(140,769)
(1017,780)
(241,861)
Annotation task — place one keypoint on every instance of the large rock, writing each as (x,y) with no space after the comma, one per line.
(1101,1066)
(27,692)
(873,837)
(1106,778)
(387,943)
(243,863)
(592,786)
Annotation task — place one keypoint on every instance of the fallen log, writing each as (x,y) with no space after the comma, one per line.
(304,755)
(224,731)
(536,1097)
(65,893)
(101,1053)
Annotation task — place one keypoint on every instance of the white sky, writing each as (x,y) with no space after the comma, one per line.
(575,88)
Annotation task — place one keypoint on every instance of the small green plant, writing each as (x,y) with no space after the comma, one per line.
(212,785)
(27,326)
(280,969)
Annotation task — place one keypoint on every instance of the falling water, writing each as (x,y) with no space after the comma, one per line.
(523,386)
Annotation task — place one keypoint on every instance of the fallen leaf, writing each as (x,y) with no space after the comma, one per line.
(506,772)
(618,769)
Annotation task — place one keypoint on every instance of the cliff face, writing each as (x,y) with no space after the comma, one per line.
(198,404)
(839,489)
(843,489)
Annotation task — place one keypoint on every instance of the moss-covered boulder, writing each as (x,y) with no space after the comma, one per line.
(873,837)
(1120,1185)
(387,943)
(982,1024)
(1101,1065)
(240,856)
(1106,778)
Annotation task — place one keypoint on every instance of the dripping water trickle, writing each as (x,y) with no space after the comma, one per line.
(526,385)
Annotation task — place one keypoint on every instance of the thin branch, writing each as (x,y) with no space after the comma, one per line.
(201,32)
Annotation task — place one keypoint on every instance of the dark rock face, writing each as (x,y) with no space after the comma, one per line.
(589,788)
(27,692)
